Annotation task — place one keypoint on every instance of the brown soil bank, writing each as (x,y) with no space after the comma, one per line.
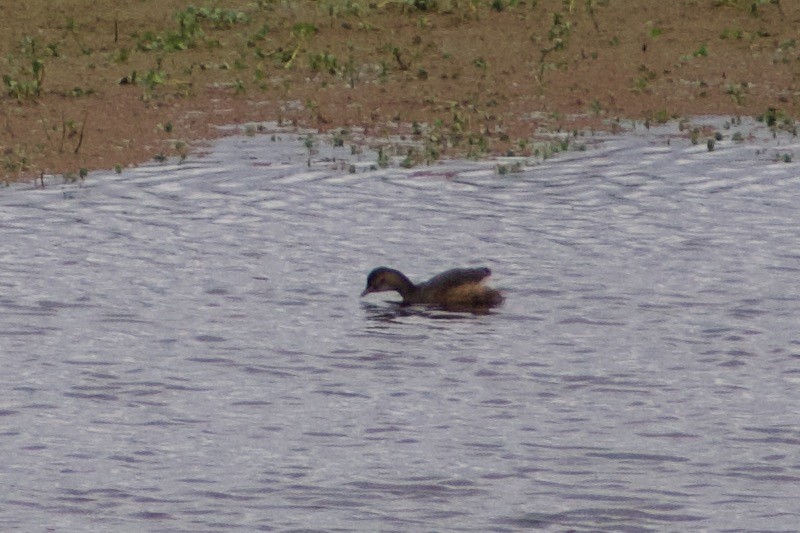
(98,84)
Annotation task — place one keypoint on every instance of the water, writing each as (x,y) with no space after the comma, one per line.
(183,347)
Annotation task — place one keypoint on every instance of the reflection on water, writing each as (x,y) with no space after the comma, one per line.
(183,347)
(394,312)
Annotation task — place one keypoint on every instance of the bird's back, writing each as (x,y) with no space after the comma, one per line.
(459,288)
(455,277)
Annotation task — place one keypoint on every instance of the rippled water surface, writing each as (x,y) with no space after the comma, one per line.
(183,347)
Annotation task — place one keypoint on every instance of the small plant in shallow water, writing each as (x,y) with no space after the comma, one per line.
(383,158)
(309,142)
(770,117)
(411,159)
(430,151)
(181,150)
(778,120)
(512,168)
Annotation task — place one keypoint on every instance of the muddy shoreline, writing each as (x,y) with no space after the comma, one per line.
(115,86)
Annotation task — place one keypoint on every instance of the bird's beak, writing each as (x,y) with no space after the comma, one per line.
(365,292)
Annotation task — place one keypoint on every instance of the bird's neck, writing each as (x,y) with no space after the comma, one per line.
(404,286)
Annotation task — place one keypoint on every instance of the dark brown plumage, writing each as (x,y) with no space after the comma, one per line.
(459,289)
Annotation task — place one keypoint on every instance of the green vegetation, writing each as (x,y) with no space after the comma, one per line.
(778,120)
(190,31)
(28,69)
(643,79)
(701,51)
(738,92)
(751,6)
(558,38)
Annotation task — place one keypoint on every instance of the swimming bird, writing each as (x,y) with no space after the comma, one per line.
(459,289)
